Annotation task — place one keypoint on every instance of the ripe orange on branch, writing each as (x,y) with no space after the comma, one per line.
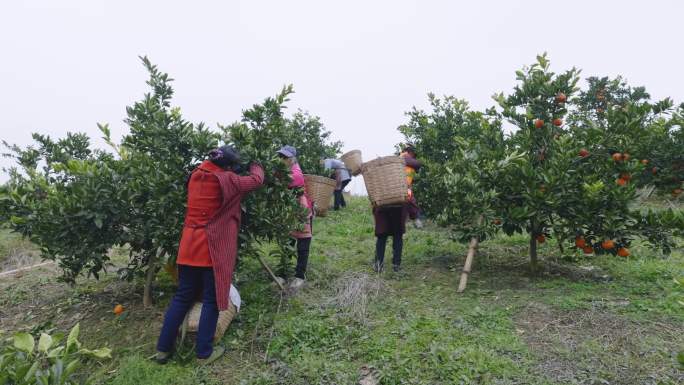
(623,252)
(617,156)
(538,123)
(118,309)
(584,153)
(644,161)
(557,122)
(621,182)
(608,244)
(580,242)
(561,98)
(588,249)
(541,238)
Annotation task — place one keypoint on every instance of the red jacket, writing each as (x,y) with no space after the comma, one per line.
(212,221)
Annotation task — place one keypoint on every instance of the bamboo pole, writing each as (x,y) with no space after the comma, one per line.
(270,272)
(472,249)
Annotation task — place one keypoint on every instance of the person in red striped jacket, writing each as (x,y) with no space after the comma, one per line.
(208,248)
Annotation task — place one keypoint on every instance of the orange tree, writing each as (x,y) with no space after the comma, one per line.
(464,155)
(76,202)
(570,189)
(651,133)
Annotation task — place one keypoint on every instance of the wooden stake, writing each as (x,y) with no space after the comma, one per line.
(270,272)
(472,249)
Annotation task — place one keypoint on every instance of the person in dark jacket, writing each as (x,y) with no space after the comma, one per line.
(208,249)
(389,222)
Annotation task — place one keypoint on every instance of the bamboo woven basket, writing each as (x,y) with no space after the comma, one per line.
(320,189)
(385,180)
(353,161)
(224,319)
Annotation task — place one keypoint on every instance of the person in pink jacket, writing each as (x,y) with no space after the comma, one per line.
(301,237)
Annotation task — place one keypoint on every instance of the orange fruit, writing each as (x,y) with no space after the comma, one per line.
(623,252)
(617,156)
(584,153)
(626,156)
(538,123)
(580,242)
(677,191)
(561,98)
(496,222)
(608,244)
(654,170)
(621,182)
(541,238)
(557,122)
(644,161)
(118,309)
(588,249)
(625,176)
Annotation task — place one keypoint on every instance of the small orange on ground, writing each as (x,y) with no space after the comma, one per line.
(588,249)
(118,309)
(558,122)
(623,252)
(608,244)
(580,242)
(621,182)
(644,161)
(584,153)
(541,238)
(538,123)
(617,156)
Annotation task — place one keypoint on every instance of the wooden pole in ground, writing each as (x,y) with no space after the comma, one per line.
(472,249)
(270,272)
(467,266)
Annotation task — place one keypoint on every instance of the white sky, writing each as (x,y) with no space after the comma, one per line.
(359,65)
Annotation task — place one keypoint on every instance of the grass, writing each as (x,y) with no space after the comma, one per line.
(411,327)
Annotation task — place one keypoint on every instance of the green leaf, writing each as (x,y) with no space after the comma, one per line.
(98,353)
(24,342)
(72,340)
(44,343)
(31,372)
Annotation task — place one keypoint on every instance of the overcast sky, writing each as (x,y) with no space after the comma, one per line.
(359,65)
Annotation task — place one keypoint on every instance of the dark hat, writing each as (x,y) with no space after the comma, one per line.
(224,156)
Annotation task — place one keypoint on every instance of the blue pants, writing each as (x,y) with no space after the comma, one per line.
(191,281)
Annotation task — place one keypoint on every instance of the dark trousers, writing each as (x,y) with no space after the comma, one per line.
(191,281)
(339,196)
(303,245)
(397,246)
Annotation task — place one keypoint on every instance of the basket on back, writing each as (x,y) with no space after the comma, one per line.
(320,189)
(385,180)
(353,161)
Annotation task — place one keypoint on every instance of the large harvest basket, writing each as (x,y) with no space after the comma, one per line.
(320,189)
(224,319)
(385,180)
(353,161)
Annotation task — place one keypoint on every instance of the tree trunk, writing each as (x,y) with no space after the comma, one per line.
(534,264)
(149,278)
(472,249)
